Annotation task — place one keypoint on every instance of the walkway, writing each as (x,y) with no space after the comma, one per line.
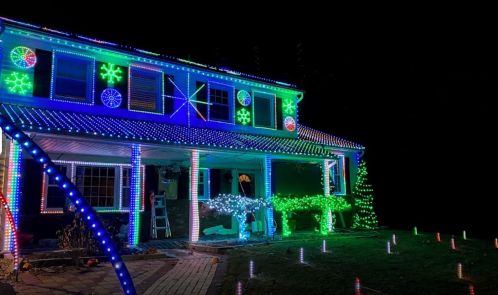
(186,272)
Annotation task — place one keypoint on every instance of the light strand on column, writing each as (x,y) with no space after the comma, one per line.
(269,211)
(194,204)
(326,190)
(13,190)
(10,221)
(135,192)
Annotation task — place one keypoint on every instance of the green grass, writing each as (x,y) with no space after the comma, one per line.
(417,265)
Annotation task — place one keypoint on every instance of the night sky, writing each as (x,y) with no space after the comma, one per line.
(417,91)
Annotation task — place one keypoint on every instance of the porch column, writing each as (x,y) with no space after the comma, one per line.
(194,203)
(13,192)
(269,211)
(326,190)
(135,194)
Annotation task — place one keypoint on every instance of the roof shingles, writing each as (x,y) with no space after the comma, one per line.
(68,122)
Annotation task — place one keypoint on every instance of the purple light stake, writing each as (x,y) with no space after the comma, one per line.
(324,249)
(239,288)
(452,243)
(394,239)
(251,269)
(388,247)
(301,255)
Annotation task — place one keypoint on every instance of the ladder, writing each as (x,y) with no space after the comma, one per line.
(160,225)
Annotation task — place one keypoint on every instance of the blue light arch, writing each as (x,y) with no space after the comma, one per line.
(87,212)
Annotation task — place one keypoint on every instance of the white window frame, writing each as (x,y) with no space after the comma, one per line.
(206,176)
(231,101)
(273,102)
(118,183)
(159,86)
(90,76)
(342,175)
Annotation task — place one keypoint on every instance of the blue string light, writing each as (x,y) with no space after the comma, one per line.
(88,213)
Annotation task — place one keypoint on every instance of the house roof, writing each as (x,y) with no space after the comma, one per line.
(69,123)
(138,51)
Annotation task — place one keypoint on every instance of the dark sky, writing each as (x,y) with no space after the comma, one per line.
(417,89)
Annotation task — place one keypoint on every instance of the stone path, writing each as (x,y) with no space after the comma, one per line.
(192,275)
(186,272)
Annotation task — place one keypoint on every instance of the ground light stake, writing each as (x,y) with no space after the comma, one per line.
(324,248)
(438,237)
(239,288)
(452,243)
(301,255)
(388,248)
(357,287)
(464,235)
(460,271)
(251,269)
(415,230)
(496,243)
(394,239)
(472,290)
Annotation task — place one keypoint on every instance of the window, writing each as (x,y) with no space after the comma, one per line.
(105,186)
(338,174)
(220,102)
(97,185)
(73,78)
(125,189)
(203,184)
(264,110)
(146,90)
(53,197)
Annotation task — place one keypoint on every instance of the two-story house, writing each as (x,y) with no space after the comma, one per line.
(119,121)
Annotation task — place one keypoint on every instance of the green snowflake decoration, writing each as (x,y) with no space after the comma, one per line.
(288,106)
(18,82)
(364,217)
(243,116)
(111,73)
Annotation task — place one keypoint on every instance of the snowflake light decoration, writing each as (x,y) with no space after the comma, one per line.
(244,97)
(18,82)
(111,98)
(288,106)
(111,73)
(243,116)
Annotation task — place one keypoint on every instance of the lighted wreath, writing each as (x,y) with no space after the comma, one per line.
(286,204)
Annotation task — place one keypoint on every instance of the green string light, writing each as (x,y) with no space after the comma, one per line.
(18,82)
(110,73)
(286,204)
(365,217)
(243,116)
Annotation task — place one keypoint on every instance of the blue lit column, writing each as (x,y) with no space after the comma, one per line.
(269,211)
(13,192)
(194,204)
(326,190)
(135,194)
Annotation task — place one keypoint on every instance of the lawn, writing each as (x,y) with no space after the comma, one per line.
(418,265)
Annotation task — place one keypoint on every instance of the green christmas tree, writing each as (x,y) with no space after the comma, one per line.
(365,217)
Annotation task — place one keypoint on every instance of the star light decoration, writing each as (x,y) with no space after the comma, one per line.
(110,73)
(239,206)
(188,99)
(243,116)
(18,82)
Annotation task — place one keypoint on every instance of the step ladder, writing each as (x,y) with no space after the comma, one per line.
(160,225)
